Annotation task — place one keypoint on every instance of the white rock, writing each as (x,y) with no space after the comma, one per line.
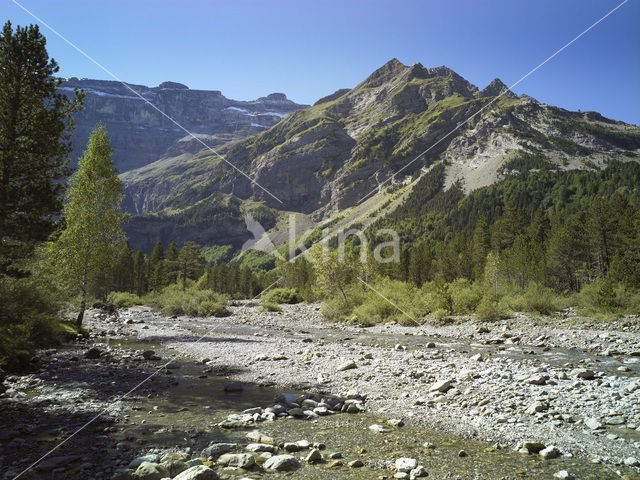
(550,452)
(281,463)
(405,464)
(418,472)
(593,424)
(378,428)
(199,472)
(441,386)
(347,366)
(563,474)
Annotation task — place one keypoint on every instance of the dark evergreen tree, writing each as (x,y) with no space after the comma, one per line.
(159,277)
(190,263)
(35,129)
(140,273)
(172,265)
(508,227)
(156,256)
(481,245)
(123,270)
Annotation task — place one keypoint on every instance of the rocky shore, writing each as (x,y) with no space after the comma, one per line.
(563,397)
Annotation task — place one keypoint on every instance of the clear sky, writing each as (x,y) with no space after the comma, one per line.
(310,48)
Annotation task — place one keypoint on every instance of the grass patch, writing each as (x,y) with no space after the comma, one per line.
(270,307)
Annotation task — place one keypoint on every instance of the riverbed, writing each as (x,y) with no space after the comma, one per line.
(500,386)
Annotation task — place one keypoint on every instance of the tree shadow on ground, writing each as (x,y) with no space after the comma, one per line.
(70,395)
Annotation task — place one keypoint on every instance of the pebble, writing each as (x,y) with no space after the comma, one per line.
(533,447)
(262,447)
(93,353)
(405,464)
(441,386)
(378,428)
(199,472)
(151,471)
(418,472)
(214,450)
(593,424)
(584,374)
(563,474)
(550,452)
(347,366)
(314,456)
(237,460)
(281,463)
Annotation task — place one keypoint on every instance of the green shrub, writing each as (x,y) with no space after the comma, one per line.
(209,308)
(335,309)
(534,299)
(466,295)
(124,299)
(29,319)
(607,296)
(270,307)
(489,310)
(633,302)
(598,296)
(173,300)
(281,295)
(391,300)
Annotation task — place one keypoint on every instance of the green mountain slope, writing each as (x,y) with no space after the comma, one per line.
(324,159)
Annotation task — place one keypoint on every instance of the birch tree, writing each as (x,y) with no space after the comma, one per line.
(92,217)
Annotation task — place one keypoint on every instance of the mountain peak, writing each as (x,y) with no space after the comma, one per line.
(383,74)
(173,86)
(276,96)
(442,71)
(496,88)
(417,70)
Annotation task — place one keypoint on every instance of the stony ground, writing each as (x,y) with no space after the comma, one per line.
(576,387)
(565,382)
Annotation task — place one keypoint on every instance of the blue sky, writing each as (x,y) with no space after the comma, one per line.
(310,48)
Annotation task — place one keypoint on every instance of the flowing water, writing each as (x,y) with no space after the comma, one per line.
(185,416)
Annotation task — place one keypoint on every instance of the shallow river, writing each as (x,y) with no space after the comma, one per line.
(185,416)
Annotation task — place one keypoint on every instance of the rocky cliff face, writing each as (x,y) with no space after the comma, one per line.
(387,130)
(140,134)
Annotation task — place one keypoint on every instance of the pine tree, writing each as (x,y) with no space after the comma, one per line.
(156,256)
(123,269)
(172,265)
(493,273)
(140,275)
(601,228)
(93,217)
(481,245)
(190,263)
(158,276)
(568,253)
(234,278)
(506,229)
(35,130)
